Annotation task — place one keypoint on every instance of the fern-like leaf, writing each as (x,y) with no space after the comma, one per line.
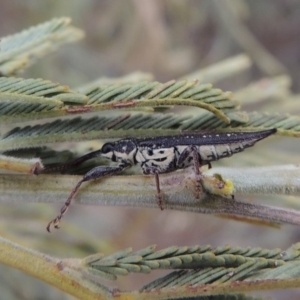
(22,49)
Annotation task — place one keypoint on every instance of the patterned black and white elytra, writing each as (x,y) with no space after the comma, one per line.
(157,155)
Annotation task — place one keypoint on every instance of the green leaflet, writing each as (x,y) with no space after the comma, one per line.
(20,50)
(134,124)
(204,265)
(28,99)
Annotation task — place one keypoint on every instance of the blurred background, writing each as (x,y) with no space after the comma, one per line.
(166,40)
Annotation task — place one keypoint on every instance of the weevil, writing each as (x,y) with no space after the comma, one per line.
(157,155)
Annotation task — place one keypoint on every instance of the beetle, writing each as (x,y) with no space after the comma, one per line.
(163,154)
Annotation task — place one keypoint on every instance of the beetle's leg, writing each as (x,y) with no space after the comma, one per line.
(75,162)
(197,170)
(186,155)
(153,171)
(92,174)
(159,194)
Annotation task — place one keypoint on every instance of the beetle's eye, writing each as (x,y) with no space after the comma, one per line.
(108,147)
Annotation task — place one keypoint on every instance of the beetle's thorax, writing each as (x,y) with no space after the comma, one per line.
(156,159)
(122,151)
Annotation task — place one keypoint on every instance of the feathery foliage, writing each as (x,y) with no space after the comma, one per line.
(55,113)
(19,51)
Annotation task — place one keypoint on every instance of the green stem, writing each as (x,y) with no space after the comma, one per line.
(56,272)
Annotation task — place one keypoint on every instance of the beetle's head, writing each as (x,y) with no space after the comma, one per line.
(107,150)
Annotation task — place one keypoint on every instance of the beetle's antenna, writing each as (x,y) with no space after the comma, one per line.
(73,163)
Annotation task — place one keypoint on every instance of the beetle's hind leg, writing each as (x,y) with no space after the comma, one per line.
(197,171)
(191,153)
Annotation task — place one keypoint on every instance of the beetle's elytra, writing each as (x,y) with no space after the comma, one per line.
(163,154)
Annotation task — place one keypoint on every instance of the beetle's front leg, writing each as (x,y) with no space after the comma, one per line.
(92,174)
